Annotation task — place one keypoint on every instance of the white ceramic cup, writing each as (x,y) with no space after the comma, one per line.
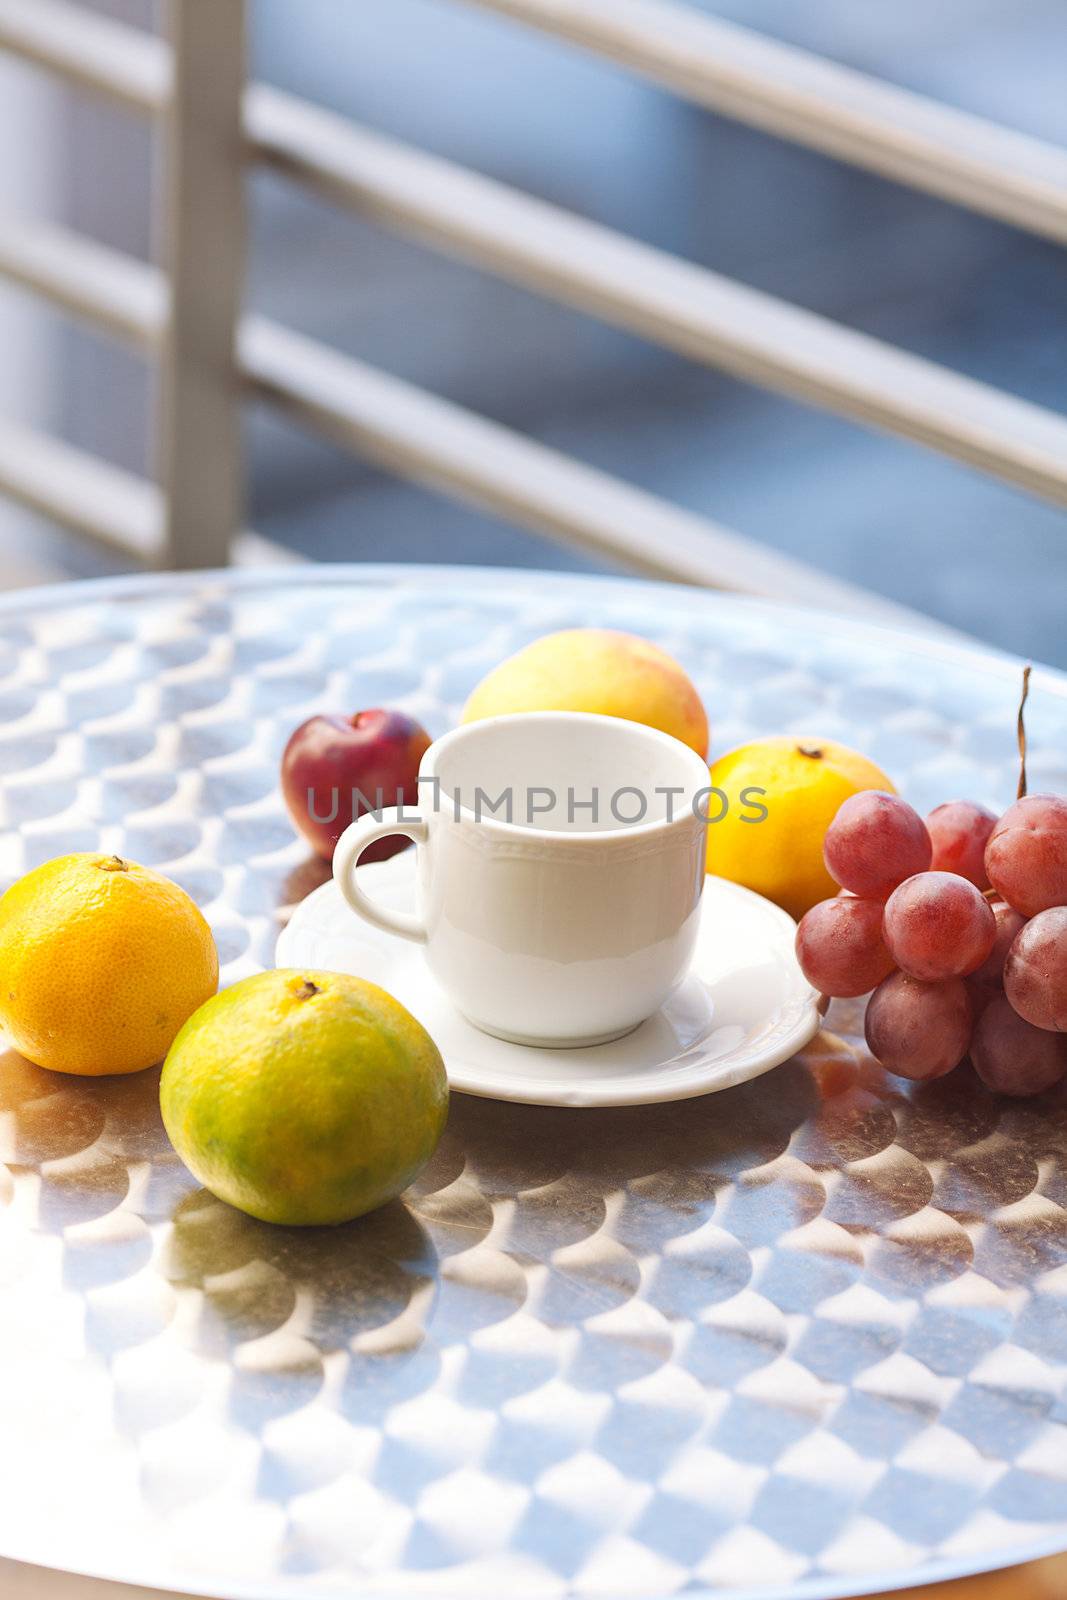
(559,927)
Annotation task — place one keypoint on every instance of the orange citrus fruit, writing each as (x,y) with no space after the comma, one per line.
(800,783)
(304,1097)
(101,962)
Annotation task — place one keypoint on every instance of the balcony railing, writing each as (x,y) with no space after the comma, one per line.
(188,315)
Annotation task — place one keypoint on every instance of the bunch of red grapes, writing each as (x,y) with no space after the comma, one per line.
(959,925)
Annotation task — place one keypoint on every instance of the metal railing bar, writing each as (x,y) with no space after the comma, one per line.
(120,295)
(110,58)
(793,93)
(252,549)
(81,492)
(801,97)
(418,436)
(687,308)
(103,502)
(393,424)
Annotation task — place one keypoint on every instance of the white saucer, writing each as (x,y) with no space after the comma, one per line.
(743,1008)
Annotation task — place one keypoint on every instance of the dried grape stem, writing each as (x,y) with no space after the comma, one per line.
(1022,733)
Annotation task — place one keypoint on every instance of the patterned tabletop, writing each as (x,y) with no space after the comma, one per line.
(805,1336)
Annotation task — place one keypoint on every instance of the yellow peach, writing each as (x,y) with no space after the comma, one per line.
(599,670)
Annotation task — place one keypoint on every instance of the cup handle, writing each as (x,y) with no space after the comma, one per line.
(351,845)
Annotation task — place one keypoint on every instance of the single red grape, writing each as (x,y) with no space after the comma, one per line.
(875,841)
(1011,1056)
(1008,922)
(959,832)
(1026,857)
(982,994)
(840,946)
(919,1030)
(1035,973)
(938,925)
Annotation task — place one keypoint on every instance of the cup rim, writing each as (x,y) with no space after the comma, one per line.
(632,830)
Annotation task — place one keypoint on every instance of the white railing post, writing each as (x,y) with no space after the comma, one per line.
(200,451)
